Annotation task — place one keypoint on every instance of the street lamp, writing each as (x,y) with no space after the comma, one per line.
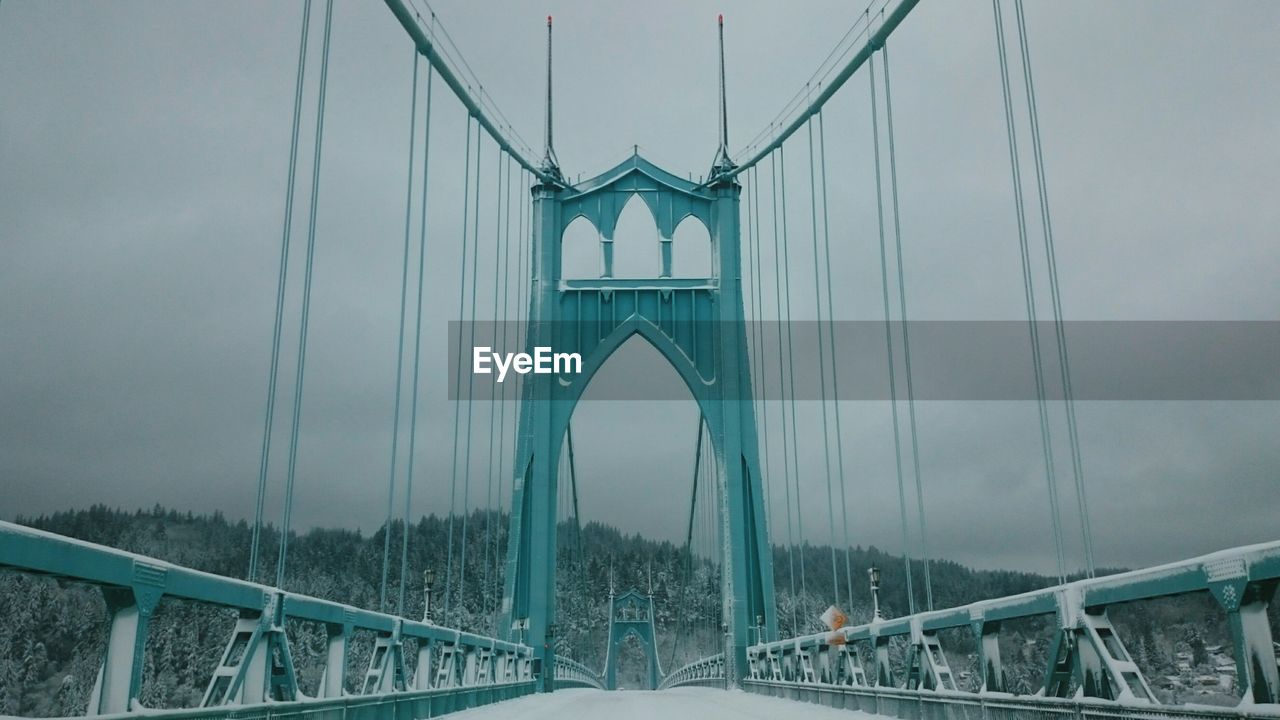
(873,575)
(428,579)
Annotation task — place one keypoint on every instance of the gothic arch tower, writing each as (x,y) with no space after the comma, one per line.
(632,614)
(697,325)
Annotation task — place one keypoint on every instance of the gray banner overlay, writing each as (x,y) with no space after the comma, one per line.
(950,360)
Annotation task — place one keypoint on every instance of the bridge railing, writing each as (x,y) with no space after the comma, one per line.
(454,669)
(1087,658)
(953,705)
(705,672)
(571,673)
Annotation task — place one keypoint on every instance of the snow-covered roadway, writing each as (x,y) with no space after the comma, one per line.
(676,704)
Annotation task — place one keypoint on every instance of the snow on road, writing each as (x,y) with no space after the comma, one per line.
(676,704)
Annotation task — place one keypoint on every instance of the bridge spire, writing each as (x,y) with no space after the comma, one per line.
(550,165)
(722,162)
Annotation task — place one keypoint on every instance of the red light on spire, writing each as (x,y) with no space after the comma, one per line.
(548,20)
(721,18)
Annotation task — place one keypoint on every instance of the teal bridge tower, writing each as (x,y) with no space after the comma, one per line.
(593,318)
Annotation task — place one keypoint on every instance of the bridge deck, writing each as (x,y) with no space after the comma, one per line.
(686,703)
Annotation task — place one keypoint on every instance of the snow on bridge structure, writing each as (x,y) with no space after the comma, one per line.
(1090,673)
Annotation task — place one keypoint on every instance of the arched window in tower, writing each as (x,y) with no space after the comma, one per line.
(580,255)
(691,250)
(637,249)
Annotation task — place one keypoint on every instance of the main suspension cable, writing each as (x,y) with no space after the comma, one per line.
(306,300)
(281,279)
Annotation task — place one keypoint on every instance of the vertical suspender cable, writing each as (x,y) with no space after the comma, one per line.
(822,363)
(522,251)
(835,374)
(499,259)
(306,300)
(757,301)
(906,336)
(471,380)
(1028,290)
(577,514)
(688,543)
(515,328)
(786,463)
(417,352)
(404,298)
(791,369)
(1055,294)
(457,377)
(888,341)
(708,497)
(281,278)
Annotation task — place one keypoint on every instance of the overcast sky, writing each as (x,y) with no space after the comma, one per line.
(143,150)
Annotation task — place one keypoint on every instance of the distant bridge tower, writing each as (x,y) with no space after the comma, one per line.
(697,324)
(631,614)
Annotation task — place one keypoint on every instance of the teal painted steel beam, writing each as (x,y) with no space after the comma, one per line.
(413,703)
(640,284)
(905,704)
(945,620)
(1087,650)
(1250,564)
(40,552)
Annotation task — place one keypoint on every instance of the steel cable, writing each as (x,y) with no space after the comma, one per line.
(281,281)
(417,353)
(404,296)
(457,378)
(1028,289)
(306,299)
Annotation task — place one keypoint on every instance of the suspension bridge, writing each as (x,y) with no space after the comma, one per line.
(452,654)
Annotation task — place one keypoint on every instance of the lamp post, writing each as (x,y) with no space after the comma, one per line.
(759,629)
(428,579)
(873,575)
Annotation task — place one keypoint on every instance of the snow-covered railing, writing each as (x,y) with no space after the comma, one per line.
(1087,653)
(571,673)
(955,705)
(455,670)
(707,672)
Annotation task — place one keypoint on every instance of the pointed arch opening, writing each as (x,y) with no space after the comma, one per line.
(634,463)
(580,254)
(637,245)
(633,663)
(691,250)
